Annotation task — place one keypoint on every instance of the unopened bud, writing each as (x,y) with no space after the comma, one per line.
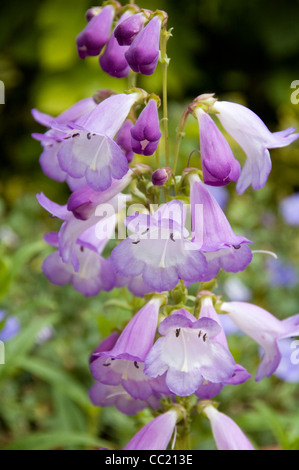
(160,176)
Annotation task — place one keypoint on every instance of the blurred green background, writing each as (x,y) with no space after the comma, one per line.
(245,51)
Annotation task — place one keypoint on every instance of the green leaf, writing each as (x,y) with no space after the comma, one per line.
(58,378)
(56,440)
(17,348)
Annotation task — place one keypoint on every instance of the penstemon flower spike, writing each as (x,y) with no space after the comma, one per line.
(172,356)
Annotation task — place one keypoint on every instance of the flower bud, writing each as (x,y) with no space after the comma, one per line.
(123,139)
(143,54)
(126,32)
(96,33)
(146,132)
(160,176)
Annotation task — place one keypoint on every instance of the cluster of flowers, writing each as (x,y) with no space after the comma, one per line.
(132,45)
(91,146)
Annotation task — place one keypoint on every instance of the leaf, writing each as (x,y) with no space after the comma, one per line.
(17,348)
(56,440)
(58,378)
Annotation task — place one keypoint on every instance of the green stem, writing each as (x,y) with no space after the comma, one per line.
(132,79)
(179,136)
(165,62)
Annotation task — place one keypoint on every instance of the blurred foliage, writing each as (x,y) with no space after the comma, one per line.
(243,51)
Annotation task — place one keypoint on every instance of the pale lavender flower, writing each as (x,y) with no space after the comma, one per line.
(96,33)
(115,395)
(253,136)
(189,354)
(53,138)
(88,149)
(265,329)
(288,369)
(289,208)
(156,434)
(209,389)
(146,132)
(143,54)
(159,250)
(219,165)
(214,235)
(124,363)
(227,434)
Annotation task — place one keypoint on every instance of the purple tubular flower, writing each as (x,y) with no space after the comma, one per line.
(124,363)
(123,139)
(265,329)
(208,389)
(255,139)
(227,434)
(83,202)
(105,345)
(53,138)
(214,235)
(188,353)
(143,54)
(156,434)
(289,208)
(146,132)
(159,250)
(96,33)
(115,395)
(113,59)
(219,165)
(89,151)
(127,30)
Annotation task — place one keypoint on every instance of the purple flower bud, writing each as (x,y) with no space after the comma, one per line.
(156,434)
(227,434)
(146,132)
(219,165)
(113,59)
(92,12)
(95,34)
(143,53)
(126,32)
(123,139)
(160,176)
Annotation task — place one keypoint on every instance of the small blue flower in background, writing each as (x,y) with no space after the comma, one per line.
(289,208)
(11,327)
(282,274)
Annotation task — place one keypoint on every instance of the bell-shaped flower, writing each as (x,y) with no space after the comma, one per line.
(96,33)
(156,434)
(219,165)
(188,353)
(113,59)
(124,363)
(93,275)
(143,54)
(213,233)
(115,395)
(83,203)
(146,131)
(253,136)
(158,249)
(265,329)
(53,138)
(89,151)
(127,30)
(208,389)
(227,434)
